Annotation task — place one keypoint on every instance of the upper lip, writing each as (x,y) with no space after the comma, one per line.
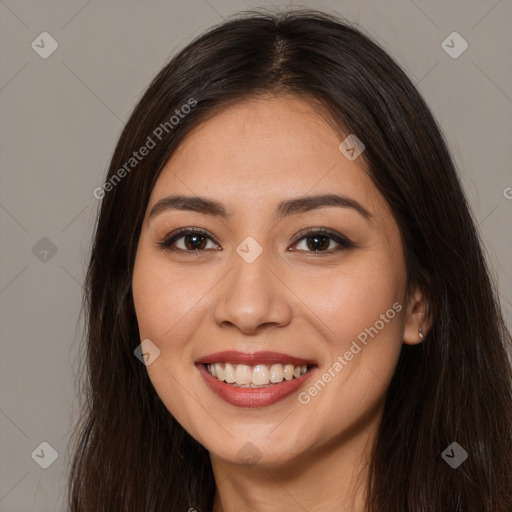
(232,356)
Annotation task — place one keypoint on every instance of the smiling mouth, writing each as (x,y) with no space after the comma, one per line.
(257,376)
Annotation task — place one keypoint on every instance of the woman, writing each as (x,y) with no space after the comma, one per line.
(288,303)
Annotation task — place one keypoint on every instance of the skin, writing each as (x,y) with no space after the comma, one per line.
(307,303)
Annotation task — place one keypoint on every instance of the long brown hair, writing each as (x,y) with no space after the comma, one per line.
(130,454)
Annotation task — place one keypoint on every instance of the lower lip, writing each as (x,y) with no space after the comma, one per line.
(253,397)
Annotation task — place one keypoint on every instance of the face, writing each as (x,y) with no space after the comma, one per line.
(281,283)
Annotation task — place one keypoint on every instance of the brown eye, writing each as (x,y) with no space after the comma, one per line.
(193,240)
(319,240)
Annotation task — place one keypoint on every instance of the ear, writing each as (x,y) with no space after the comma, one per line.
(418,319)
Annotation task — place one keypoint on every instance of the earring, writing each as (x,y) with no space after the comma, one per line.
(420,333)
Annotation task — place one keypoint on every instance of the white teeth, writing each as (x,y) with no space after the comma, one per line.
(229,373)
(260,375)
(276,373)
(288,372)
(220,371)
(243,374)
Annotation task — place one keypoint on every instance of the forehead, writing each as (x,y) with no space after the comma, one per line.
(262,150)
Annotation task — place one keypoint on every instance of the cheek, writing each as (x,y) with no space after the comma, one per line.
(359,298)
(364,315)
(164,304)
(162,298)
(362,347)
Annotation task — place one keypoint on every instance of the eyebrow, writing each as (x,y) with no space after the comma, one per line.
(285,208)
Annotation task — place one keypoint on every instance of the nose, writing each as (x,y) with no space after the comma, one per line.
(253,297)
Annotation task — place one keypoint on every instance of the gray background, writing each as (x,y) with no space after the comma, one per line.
(60,120)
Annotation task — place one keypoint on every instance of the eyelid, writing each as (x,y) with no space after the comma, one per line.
(337,237)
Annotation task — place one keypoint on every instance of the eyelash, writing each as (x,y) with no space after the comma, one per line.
(344,243)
